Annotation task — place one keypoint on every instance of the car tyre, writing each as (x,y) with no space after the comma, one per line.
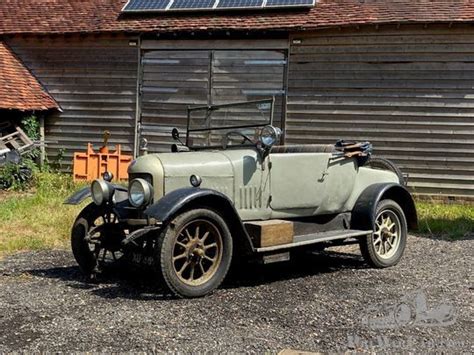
(386,245)
(94,258)
(194,253)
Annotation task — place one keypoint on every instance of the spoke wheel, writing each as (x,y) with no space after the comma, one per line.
(386,237)
(96,239)
(194,253)
(385,246)
(197,252)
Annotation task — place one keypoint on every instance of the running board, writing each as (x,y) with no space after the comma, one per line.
(307,239)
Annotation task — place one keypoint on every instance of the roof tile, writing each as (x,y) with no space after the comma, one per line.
(19,89)
(85,16)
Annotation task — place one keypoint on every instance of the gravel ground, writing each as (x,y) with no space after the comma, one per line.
(320,303)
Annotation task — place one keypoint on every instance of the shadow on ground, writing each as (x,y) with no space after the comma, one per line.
(144,284)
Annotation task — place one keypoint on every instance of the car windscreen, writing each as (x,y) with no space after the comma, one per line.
(209,125)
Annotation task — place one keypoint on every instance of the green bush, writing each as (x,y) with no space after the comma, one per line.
(49,184)
(18,176)
(31,127)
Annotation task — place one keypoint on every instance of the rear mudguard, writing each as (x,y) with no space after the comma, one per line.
(85,192)
(364,211)
(165,209)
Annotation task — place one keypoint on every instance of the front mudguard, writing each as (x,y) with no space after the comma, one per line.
(169,205)
(79,196)
(364,211)
(184,199)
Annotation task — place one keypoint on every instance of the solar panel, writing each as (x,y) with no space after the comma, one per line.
(145,5)
(289,3)
(192,4)
(239,4)
(206,5)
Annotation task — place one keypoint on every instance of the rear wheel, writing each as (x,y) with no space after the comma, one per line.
(96,239)
(385,246)
(194,253)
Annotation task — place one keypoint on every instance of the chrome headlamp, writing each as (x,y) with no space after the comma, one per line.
(102,192)
(269,136)
(140,193)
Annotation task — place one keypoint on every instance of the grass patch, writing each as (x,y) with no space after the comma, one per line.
(37,219)
(453,221)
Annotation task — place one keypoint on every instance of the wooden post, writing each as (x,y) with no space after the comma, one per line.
(138,104)
(42,141)
(285,94)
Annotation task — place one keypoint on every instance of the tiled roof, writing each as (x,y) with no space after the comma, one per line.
(19,89)
(85,16)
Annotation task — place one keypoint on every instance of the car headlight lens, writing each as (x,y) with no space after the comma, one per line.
(101,191)
(270,135)
(140,193)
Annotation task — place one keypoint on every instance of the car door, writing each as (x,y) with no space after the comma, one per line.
(298,180)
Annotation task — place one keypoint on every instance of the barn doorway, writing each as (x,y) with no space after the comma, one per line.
(172,80)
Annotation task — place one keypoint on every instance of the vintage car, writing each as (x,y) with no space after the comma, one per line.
(230,193)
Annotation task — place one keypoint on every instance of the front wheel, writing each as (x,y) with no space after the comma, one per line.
(385,246)
(96,238)
(194,253)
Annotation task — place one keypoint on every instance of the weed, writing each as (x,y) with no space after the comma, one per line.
(447,220)
(38,219)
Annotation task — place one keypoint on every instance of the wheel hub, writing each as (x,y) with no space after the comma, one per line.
(112,236)
(385,233)
(197,252)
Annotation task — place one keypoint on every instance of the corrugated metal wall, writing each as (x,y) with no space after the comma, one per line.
(410,91)
(178,74)
(94,80)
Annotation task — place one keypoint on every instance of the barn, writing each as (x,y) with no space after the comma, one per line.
(397,73)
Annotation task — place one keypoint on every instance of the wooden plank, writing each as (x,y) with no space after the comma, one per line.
(270,233)
(387,47)
(380,74)
(374,66)
(382,84)
(215,44)
(387,58)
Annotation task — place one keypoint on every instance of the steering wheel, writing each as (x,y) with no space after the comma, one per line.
(237,133)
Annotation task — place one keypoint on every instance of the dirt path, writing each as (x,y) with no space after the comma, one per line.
(326,302)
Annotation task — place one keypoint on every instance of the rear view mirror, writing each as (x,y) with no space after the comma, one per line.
(175,134)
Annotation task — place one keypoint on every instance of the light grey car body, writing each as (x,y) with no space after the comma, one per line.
(282,185)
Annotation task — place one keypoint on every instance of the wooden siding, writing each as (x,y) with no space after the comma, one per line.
(172,80)
(408,91)
(94,80)
(206,72)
